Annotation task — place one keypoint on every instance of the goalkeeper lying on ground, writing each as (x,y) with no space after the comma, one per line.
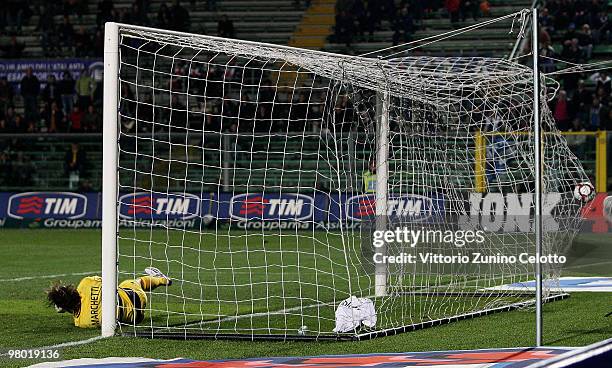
(85,304)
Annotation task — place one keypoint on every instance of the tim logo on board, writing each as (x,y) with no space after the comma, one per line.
(159,206)
(56,205)
(271,206)
(411,207)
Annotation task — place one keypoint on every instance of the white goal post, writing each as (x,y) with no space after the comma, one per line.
(109,178)
(257,177)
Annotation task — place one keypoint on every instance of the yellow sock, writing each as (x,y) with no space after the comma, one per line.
(149,283)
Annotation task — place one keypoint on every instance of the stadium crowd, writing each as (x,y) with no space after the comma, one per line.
(570,30)
(357,20)
(69,104)
(64,106)
(71,37)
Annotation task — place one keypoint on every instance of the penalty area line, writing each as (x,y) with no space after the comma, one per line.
(62,345)
(73,343)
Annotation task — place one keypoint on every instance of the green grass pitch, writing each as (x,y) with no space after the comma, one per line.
(221,274)
(32,259)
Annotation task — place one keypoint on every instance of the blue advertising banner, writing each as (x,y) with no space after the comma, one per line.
(268,211)
(14,69)
(57,205)
(253,210)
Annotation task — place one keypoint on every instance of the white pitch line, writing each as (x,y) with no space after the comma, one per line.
(25,278)
(72,343)
(62,345)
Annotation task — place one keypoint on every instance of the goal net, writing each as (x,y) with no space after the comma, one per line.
(259,178)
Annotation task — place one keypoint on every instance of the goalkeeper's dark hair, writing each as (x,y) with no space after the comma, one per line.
(65,297)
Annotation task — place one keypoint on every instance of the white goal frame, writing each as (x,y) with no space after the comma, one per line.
(110,188)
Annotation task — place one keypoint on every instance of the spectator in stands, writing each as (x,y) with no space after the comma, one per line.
(417,8)
(299,110)
(374,12)
(66,90)
(343,114)
(404,27)
(85,185)
(572,52)
(164,16)
(546,21)
(547,54)
(124,16)
(84,89)
(5,164)
(585,41)
(54,117)
(77,7)
(177,104)
(98,93)
(469,8)
(76,119)
(263,121)
(74,164)
(6,96)
(17,12)
(66,32)
(144,6)
(453,7)
(82,42)
(595,114)
(344,29)
(603,97)
(212,123)
(98,43)
(91,122)
(561,108)
(105,11)
(576,142)
(23,170)
(358,10)
(602,79)
(51,92)
(30,89)
(388,10)
(137,16)
(18,125)
(581,98)
(179,17)
(604,31)
(570,33)
(9,119)
(225,27)
(46,27)
(485,8)
(14,49)
(97,47)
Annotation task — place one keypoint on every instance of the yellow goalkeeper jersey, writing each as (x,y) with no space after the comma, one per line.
(90,290)
(131,299)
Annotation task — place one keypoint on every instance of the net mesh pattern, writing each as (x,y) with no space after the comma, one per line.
(228,149)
